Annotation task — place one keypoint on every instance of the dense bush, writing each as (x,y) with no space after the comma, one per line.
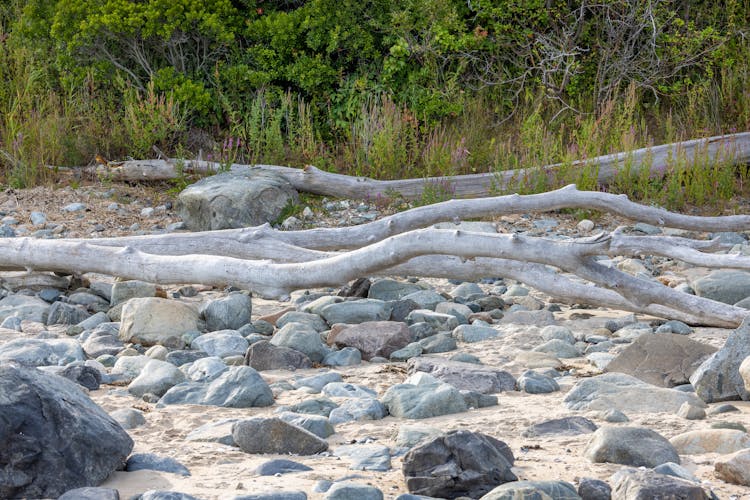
(378,87)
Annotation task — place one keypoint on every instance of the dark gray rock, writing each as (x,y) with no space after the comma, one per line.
(317,406)
(673,469)
(151,461)
(54,437)
(718,377)
(400,309)
(90,493)
(228,313)
(565,426)
(644,484)
(634,446)
(460,463)
(156,377)
(87,376)
(441,342)
(427,299)
(389,289)
(438,321)
(664,360)
(273,435)
(182,357)
(724,285)
(280,466)
(468,376)
(102,341)
(373,338)
(478,400)
(123,291)
(312,320)
(61,313)
(533,490)
(410,351)
(347,390)
(165,495)
(264,355)
(348,356)
(238,387)
(594,489)
(235,199)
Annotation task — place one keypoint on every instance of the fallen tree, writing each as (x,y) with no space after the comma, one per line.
(731,149)
(304,259)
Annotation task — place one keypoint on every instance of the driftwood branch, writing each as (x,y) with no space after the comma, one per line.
(730,149)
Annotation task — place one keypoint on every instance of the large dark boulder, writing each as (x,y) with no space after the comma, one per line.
(53,438)
(458,464)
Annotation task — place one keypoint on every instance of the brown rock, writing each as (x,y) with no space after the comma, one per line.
(273,317)
(663,359)
(734,469)
(373,338)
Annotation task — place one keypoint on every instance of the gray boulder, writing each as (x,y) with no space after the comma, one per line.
(438,321)
(467,376)
(348,490)
(356,311)
(718,377)
(221,343)
(235,199)
(273,435)
(387,289)
(537,383)
(264,355)
(375,457)
(440,342)
(317,424)
(735,468)
(474,333)
(219,431)
(423,401)
(238,387)
(642,484)
(24,307)
(156,377)
(664,360)
(150,461)
(702,441)
(123,291)
(626,393)
(204,369)
(228,313)
(153,320)
(532,490)
(460,463)
(301,337)
(426,299)
(38,352)
(128,418)
(725,285)
(634,446)
(358,409)
(54,437)
(61,313)
(313,320)
(373,338)
(102,341)
(348,356)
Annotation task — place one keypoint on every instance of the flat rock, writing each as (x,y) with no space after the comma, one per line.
(642,484)
(664,360)
(90,493)
(347,390)
(735,468)
(60,438)
(356,311)
(387,289)
(238,387)
(528,490)
(625,393)
(273,435)
(264,355)
(559,349)
(38,352)
(634,446)
(280,466)
(373,457)
(474,333)
(440,342)
(312,320)
(228,313)
(460,463)
(149,321)
(566,426)
(214,432)
(426,299)
(423,401)
(151,461)
(123,291)
(438,321)
(718,377)
(725,285)
(721,441)
(468,376)
(235,199)
(373,338)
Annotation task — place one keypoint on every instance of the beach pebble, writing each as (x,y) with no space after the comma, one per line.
(151,461)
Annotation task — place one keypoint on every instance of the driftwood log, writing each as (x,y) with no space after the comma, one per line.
(273,263)
(731,149)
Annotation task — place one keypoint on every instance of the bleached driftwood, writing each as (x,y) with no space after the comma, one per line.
(276,280)
(730,149)
(296,246)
